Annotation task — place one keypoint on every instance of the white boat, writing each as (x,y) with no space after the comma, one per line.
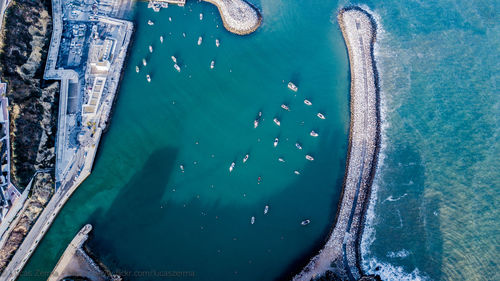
(245,158)
(200,39)
(281,159)
(148,78)
(144,62)
(182,168)
(184,34)
(161,39)
(292,87)
(217,42)
(150,22)
(276,142)
(321,116)
(305,222)
(252,220)
(174,59)
(298,145)
(201,16)
(137,69)
(276,121)
(307,102)
(169,18)
(313,133)
(255,123)
(212,64)
(177,67)
(266,209)
(309,157)
(285,107)
(296,172)
(231,167)
(150,48)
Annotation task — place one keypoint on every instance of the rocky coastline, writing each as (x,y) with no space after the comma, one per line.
(340,258)
(238,16)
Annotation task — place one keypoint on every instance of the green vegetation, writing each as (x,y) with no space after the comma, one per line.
(33,104)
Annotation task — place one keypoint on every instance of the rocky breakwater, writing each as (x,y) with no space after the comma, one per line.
(340,258)
(238,16)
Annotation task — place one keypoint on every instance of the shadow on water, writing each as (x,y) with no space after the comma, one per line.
(142,231)
(302,260)
(134,202)
(399,207)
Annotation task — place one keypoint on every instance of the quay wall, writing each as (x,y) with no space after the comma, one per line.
(340,258)
(238,16)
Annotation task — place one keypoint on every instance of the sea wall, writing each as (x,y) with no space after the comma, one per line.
(340,258)
(238,16)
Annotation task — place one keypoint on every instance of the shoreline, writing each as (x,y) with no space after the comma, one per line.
(251,16)
(342,249)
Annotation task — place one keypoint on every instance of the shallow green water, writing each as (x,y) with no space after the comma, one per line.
(148,215)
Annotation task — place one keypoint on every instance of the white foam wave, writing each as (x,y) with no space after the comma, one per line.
(399,254)
(388,272)
(368,236)
(392,199)
(370,264)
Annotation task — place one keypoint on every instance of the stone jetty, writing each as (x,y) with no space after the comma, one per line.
(238,16)
(76,263)
(340,258)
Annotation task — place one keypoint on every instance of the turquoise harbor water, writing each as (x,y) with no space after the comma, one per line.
(148,215)
(434,214)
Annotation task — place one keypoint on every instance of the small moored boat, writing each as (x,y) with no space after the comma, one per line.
(137,69)
(309,157)
(161,39)
(276,142)
(305,222)
(296,172)
(276,121)
(245,158)
(281,159)
(255,123)
(313,133)
(144,62)
(217,42)
(177,67)
(298,145)
(150,48)
(212,64)
(182,168)
(321,116)
(266,209)
(285,107)
(200,39)
(148,78)
(252,220)
(292,87)
(201,16)
(150,22)
(174,59)
(307,102)
(231,167)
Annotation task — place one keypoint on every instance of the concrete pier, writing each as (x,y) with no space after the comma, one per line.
(341,255)
(76,262)
(238,16)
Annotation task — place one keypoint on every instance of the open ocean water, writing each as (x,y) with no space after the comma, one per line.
(434,213)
